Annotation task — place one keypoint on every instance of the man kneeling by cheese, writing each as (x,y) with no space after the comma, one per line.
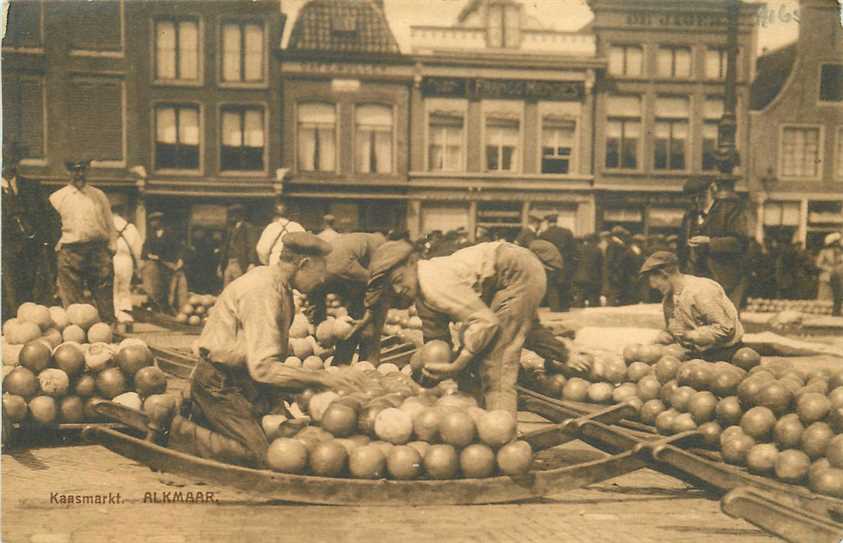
(697,312)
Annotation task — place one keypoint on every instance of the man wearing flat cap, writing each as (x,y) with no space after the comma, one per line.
(620,268)
(530,232)
(30,232)
(164,279)
(241,374)
(493,289)
(88,242)
(697,312)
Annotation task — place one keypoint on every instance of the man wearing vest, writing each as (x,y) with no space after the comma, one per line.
(239,249)
(271,242)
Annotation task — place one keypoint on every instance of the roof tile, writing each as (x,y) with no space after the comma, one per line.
(321,26)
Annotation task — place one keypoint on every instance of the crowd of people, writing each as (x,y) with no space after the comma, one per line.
(75,246)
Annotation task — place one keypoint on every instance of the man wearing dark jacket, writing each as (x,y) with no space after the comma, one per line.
(530,233)
(589,274)
(723,240)
(690,260)
(30,231)
(239,250)
(559,289)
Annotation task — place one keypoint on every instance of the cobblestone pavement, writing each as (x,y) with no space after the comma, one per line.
(641,507)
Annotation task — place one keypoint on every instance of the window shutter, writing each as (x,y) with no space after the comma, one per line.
(24,24)
(96,26)
(32,117)
(96,115)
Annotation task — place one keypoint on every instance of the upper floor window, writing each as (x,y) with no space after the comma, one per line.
(95,26)
(558,142)
(715,63)
(445,140)
(712,112)
(671,142)
(317,137)
(502,135)
(674,62)
(373,139)
(626,60)
(23,25)
(623,132)
(243,52)
(177,137)
(831,83)
(177,49)
(243,138)
(800,151)
(504,22)
(96,117)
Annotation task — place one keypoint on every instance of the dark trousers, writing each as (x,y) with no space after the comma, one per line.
(559,293)
(232,405)
(587,293)
(722,354)
(29,275)
(837,292)
(89,265)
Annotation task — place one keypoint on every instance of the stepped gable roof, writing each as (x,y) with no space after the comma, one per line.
(343,26)
(773,69)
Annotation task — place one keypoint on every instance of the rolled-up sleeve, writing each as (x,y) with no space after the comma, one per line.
(447,294)
(721,326)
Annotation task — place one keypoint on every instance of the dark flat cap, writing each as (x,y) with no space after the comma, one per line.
(306,244)
(552,217)
(77,164)
(536,216)
(547,253)
(619,231)
(696,185)
(659,260)
(388,256)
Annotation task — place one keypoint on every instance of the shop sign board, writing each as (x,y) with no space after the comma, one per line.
(477,88)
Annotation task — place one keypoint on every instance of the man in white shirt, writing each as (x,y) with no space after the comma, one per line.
(328,233)
(129,248)
(271,242)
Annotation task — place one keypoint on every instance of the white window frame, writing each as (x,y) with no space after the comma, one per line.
(107,54)
(200,39)
(338,156)
(641,149)
(689,144)
(820,154)
(512,106)
(674,46)
(643,49)
(433,105)
(394,167)
(263,84)
(154,136)
(244,173)
(569,111)
(820,101)
(41,31)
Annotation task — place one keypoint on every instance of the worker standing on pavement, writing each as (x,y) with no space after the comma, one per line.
(242,349)
(347,276)
(88,242)
(126,260)
(271,242)
(697,311)
(493,289)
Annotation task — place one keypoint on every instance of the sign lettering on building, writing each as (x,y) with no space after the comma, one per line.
(342,68)
(503,88)
(678,19)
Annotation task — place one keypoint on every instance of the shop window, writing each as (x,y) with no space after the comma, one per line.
(501,219)
(504,26)
(177,49)
(317,137)
(800,152)
(502,144)
(623,132)
(23,25)
(674,62)
(243,52)
(445,145)
(243,139)
(97,118)
(781,214)
(712,112)
(671,142)
(831,83)
(626,60)
(177,137)
(558,141)
(373,139)
(23,113)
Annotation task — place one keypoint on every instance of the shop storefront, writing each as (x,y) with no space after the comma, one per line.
(642,213)
(805,220)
